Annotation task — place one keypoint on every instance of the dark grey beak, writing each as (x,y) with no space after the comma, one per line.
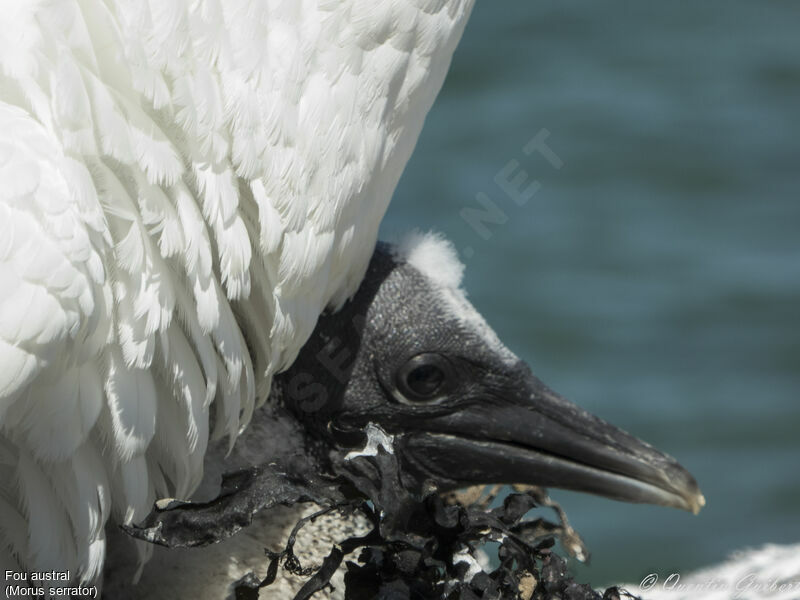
(534,436)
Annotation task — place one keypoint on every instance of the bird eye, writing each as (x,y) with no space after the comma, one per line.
(424,377)
(425,380)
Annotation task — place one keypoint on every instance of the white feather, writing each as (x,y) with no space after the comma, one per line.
(173,173)
(50,540)
(131,396)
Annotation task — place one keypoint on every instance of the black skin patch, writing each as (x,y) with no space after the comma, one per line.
(411,551)
(242,495)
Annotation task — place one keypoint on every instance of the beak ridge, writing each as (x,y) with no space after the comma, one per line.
(537,437)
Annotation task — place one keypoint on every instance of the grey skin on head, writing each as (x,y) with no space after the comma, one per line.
(410,354)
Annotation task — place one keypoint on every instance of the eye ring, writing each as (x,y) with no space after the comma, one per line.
(425,377)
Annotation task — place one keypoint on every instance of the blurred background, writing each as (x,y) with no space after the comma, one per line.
(655,277)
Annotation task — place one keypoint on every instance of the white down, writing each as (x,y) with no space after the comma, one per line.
(184,186)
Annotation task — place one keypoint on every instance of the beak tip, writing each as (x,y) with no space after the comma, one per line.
(694,503)
(699,502)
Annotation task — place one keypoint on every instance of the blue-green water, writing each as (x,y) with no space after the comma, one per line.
(655,277)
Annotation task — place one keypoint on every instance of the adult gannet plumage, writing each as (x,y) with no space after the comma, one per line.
(185,186)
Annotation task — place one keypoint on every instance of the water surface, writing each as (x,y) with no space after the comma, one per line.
(655,277)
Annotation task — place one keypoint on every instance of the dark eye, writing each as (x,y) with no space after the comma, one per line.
(424,377)
(425,380)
